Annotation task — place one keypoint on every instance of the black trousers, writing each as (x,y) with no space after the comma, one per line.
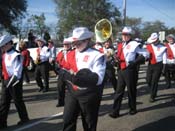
(126,77)
(169,74)
(110,75)
(153,76)
(42,71)
(7,94)
(25,75)
(52,67)
(87,105)
(61,85)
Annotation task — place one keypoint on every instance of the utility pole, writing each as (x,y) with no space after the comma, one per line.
(124,12)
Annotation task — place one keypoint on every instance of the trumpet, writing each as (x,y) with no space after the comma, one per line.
(103,30)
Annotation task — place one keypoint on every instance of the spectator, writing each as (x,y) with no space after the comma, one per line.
(46,37)
(26,60)
(52,57)
(31,40)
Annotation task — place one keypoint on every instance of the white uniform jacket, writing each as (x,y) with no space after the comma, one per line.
(170,53)
(44,53)
(13,63)
(127,52)
(157,53)
(91,59)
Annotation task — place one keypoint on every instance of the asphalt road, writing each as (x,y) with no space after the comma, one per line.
(45,116)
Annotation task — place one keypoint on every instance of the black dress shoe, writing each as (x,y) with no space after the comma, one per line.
(132,112)
(60,104)
(22,122)
(114,115)
(45,90)
(168,87)
(40,89)
(151,100)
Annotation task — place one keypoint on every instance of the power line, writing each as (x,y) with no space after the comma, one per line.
(160,11)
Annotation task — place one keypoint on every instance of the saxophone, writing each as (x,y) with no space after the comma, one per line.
(38,60)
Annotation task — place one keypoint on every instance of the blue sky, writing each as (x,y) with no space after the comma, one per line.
(151,10)
(43,6)
(148,10)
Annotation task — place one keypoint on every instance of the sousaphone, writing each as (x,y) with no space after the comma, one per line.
(103,30)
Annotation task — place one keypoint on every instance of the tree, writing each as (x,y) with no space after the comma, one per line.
(170,31)
(135,24)
(10,11)
(150,27)
(38,21)
(19,28)
(73,13)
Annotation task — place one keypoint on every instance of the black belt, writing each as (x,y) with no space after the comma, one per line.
(44,62)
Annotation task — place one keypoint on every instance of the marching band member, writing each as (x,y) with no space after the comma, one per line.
(126,55)
(87,67)
(103,34)
(157,58)
(42,65)
(12,66)
(109,52)
(170,67)
(99,46)
(61,61)
(110,58)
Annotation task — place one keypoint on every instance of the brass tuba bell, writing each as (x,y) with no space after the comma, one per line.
(103,30)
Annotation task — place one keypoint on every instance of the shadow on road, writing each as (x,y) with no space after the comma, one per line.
(165,124)
(159,106)
(38,125)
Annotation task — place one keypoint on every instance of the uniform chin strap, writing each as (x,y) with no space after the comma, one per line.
(13,81)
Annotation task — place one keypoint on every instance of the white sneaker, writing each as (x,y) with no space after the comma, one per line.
(24,83)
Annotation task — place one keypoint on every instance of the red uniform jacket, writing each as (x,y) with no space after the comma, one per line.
(26,56)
